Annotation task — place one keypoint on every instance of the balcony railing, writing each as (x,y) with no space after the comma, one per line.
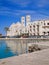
(45,26)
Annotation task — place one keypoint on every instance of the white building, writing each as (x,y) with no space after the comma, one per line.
(40,27)
(14,29)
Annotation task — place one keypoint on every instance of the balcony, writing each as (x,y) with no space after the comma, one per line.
(45,26)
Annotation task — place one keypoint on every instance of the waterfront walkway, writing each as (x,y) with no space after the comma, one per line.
(35,58)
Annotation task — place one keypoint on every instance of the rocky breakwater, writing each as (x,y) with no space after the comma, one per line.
(33,48)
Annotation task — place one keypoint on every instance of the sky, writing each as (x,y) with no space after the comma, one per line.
(11,11)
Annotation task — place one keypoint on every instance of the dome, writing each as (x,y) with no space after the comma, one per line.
(13,24)
(18,24)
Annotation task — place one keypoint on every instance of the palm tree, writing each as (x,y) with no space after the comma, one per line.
(6,29)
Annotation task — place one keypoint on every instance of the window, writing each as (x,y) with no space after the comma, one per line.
(37,27)
(28,17)
(34,29)
(34,26)
(16,31)
(48,32)
(37,33)
(30,30)
(41,22)
(25,30)
(47,23)
(30,26)
(20,30)
(34,33)
(44,23)
(44,33)
(23,19)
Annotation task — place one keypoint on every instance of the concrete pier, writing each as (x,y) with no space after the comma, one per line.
(35,58)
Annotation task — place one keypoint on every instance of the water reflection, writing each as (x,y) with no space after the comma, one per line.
(4,51)
(17,47)
(10,48)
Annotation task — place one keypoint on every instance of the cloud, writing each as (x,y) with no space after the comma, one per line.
(43,12)
(19,12)
(7,11)
(26,11)
(42,3)
(19,1)
(15,12)
(22,3)
(4,8)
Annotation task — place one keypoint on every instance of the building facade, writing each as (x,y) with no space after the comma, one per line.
(40,27)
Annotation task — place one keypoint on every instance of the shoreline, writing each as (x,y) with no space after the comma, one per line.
(35,58)
(24,38)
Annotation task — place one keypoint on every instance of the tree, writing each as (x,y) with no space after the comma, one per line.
(6,29)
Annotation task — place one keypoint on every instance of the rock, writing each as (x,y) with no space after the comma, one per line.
(33,48)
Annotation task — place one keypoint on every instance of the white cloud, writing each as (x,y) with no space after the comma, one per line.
(22,3)
(9,12)
(42,3)
(26,11)
(4,8)
(19,1)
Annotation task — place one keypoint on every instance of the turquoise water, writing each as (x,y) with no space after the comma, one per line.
(11,48)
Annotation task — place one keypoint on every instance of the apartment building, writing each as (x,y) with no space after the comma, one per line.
(40,27)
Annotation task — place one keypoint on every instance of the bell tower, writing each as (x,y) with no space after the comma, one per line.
(28,19)
(23,21)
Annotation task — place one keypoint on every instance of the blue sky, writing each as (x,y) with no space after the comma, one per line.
(12,10)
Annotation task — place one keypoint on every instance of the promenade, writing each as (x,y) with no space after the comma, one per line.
(35,58)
